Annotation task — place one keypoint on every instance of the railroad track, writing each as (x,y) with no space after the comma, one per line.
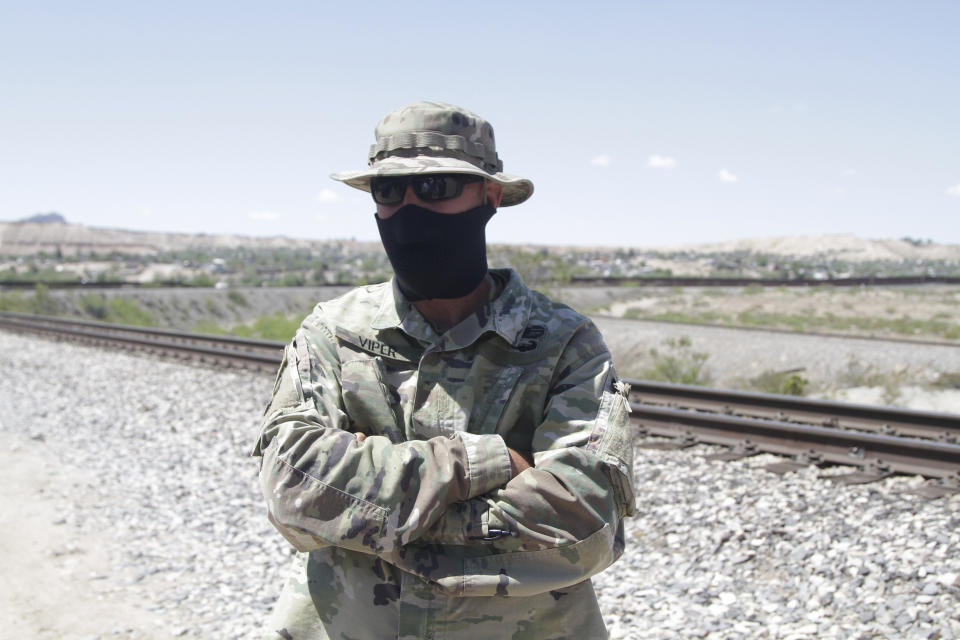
(878,441)
(227,350)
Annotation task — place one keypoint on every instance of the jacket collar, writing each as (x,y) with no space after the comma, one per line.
(506,315)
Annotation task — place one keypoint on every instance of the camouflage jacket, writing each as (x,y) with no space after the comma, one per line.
(413,532)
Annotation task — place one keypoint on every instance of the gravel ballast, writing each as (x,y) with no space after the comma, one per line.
(152,467)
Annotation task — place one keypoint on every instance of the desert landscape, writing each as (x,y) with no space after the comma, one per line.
(885,344)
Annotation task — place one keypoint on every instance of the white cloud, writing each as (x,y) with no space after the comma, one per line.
(954,190)
(328,195)
(267,216)
(661,162)
(800,107)
(725,176)
(602,160)
(849,172)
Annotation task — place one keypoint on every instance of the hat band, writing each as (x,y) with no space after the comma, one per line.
(430,143)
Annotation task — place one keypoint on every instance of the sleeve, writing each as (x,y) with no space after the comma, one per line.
(559,522)
(323,487)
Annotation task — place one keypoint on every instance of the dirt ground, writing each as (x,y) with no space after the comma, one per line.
(54,577)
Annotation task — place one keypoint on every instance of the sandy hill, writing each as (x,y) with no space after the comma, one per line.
(25,238)
(837,247)
(30,237)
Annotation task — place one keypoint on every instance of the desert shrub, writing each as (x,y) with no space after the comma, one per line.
(292,280)
(237,298)
(94,305)
(212,306)
(948,380)
(123,310)
(201,280)
(789,383)
(14,301)
(43,303)
(677,362)
(858,374)
(275,326)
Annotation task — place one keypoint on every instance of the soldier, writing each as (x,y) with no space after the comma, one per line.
(450,451)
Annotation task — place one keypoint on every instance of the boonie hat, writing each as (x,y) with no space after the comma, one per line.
(435,137)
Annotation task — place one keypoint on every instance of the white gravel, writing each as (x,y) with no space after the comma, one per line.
(718,550)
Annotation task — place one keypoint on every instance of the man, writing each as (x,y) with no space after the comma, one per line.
(449,451)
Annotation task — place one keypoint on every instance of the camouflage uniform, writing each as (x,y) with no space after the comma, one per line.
(419,531)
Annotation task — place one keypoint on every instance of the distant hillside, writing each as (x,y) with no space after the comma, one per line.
(37,234)
(834,247)
(31,237)
(48,218)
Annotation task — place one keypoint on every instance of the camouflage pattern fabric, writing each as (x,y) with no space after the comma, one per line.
(436,137)
(429,126)
(420,531)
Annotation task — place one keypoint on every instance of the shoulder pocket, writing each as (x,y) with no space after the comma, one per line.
(613,440)
(368,402)
(287,388)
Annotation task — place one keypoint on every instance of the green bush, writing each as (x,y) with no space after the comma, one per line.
(212,306)
(201,280)
(677,363)
(237,298)
(292,280)
(94,305)
(43,302)
(14,301)
(276,326)
(789,383)
(124,310)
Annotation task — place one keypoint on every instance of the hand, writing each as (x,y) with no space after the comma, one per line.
(518,462)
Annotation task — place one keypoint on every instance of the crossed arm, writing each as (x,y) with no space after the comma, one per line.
(518,461)
(451,500)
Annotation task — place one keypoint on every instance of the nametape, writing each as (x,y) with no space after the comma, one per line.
(370,345)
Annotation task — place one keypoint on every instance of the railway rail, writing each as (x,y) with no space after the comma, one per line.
(878,441)
(243,352)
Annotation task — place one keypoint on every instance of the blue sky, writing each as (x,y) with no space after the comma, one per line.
(641,124)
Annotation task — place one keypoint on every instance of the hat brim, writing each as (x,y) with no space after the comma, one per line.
(515,188)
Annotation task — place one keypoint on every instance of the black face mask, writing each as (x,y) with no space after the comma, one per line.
(436,255)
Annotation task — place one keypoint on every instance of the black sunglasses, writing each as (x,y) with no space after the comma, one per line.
(429,187)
